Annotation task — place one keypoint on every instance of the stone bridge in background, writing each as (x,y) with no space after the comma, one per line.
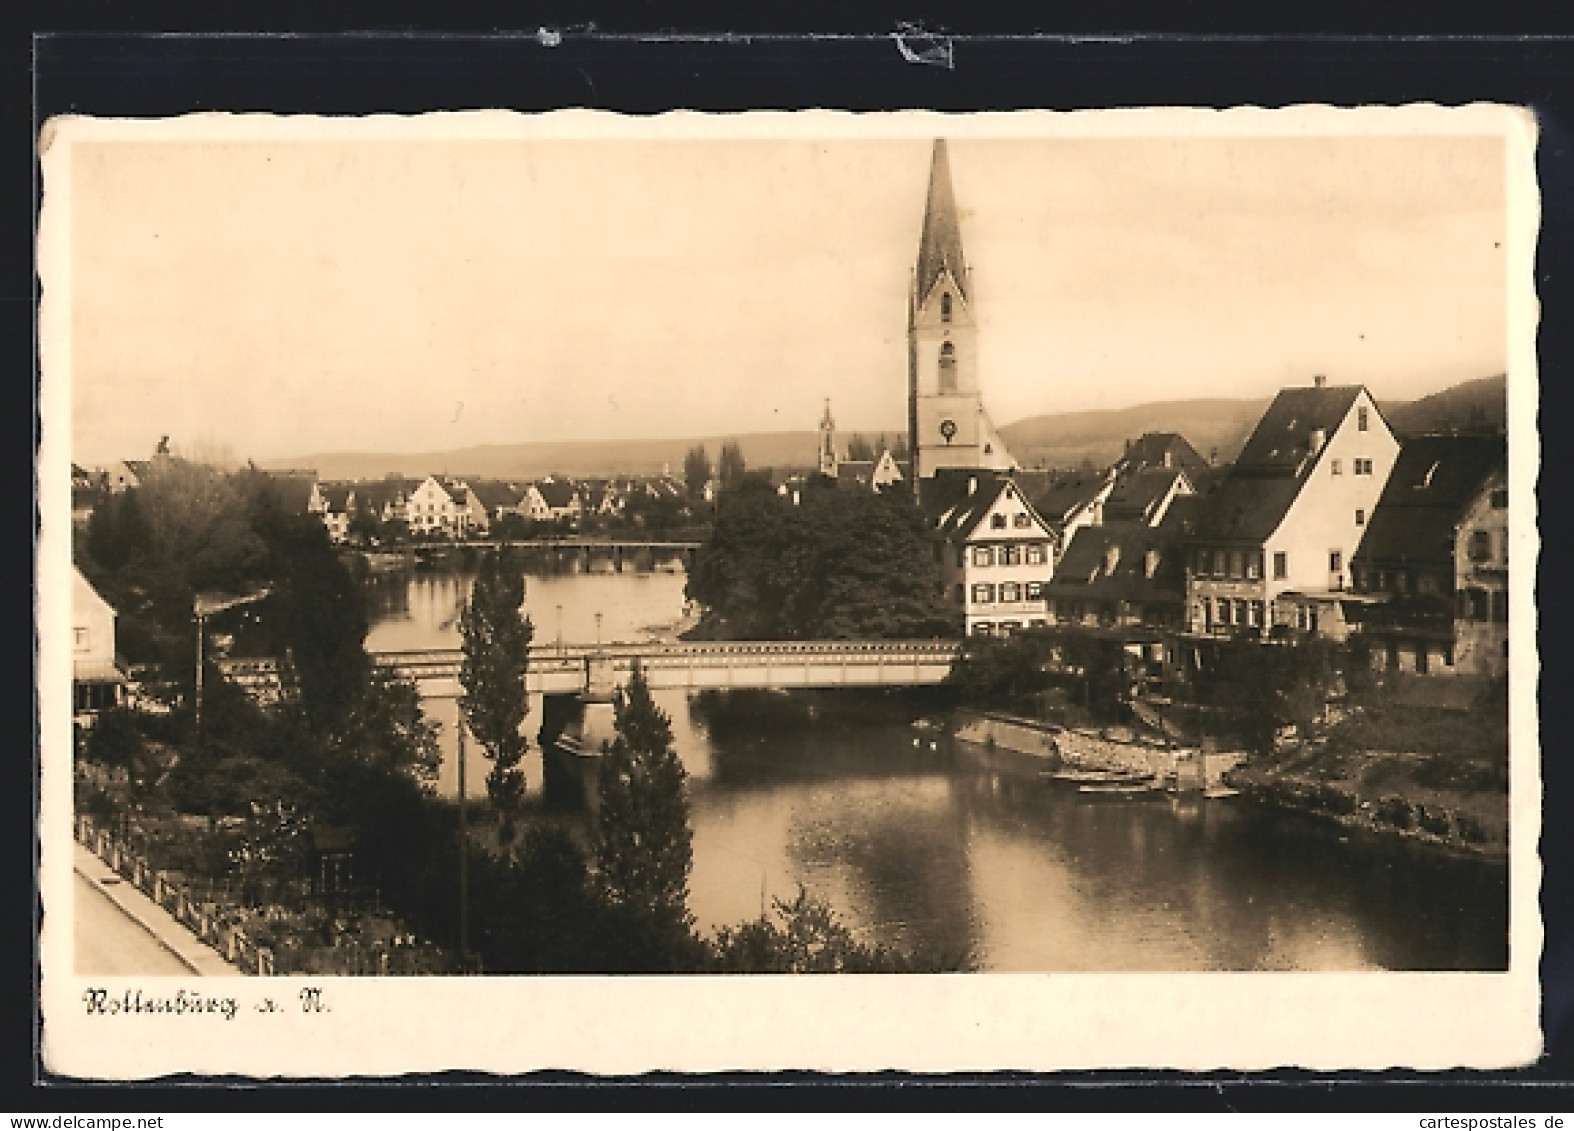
(594,670)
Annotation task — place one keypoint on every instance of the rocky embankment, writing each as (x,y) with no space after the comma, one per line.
(1437,799)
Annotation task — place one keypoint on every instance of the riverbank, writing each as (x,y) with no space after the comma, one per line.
(1431,799)
(1041,747)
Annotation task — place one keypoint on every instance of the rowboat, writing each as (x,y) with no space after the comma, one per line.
(1082,778)
(1146,790)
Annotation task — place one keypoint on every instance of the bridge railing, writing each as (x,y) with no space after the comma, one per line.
(689,650)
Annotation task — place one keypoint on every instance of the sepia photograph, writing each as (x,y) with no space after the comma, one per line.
(1068,553)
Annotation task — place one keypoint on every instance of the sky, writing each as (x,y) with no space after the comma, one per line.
(273,298)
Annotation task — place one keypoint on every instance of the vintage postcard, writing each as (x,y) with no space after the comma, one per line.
(789,591)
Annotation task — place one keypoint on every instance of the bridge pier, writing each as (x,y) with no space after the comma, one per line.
(574,728)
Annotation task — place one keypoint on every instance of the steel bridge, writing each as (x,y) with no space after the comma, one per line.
(595,669)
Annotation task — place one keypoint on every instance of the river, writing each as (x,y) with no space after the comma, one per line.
(933,847)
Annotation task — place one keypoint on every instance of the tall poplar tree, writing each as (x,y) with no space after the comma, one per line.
(644,848)
(496,651)
(696,471)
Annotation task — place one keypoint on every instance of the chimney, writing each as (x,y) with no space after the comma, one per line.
(1320,381)
(1318,438)
(972,484)
(1128,445)
(1213,457)
(1169,459)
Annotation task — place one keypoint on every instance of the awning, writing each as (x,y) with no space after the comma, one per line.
(96,671)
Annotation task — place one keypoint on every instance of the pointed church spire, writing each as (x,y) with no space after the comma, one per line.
(940,247)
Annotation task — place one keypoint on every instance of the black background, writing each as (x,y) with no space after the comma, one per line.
(103,58)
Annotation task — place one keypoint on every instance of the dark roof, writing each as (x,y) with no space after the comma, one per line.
(557,493)
(949,488)
(378,493)
(1084,569)
(1149,450)
(494,493)
(1435,479)
(854,472)
(940,246)
(1244,508)
(962,519)
(1250,501)
(295,489)
(1135,495)
(1061,498)
(336,495)
(1181,518)
(959,520)
(1282,438)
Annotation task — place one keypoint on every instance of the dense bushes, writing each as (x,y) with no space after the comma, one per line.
(841,565)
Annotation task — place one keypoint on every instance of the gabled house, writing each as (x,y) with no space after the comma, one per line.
(1071,502)
(1144,496)
(127,473)
(488,500)
(87,488)
(334,504)
(996,556)
(887,472)
(386,499)
(1434,558)
(1160,451)
(96,678)
(437,507)
(561,499)
(1119,575)
(1270,547)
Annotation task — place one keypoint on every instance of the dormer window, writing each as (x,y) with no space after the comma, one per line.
(945,306)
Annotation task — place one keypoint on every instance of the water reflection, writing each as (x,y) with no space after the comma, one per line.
(943,850)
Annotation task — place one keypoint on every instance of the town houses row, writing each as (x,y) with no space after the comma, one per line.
(1325,524)
(434,506)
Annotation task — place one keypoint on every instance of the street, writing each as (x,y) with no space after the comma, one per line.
(110,944)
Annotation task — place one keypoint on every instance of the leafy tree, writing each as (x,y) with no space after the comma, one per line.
(496,646)
(115,739)
(387,729)
(696,471)
(809,940)
(643,843)
(117,531)
(899,450)
(320,613)
(859,448)
(730,466)
(842,564)
(1264,686)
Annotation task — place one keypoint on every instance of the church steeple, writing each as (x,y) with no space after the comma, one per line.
(947,424)
(940,246)
(828,442)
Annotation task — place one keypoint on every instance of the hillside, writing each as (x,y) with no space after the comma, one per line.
(1066,439)
(581,459)
(1480,402)
(1213,426)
